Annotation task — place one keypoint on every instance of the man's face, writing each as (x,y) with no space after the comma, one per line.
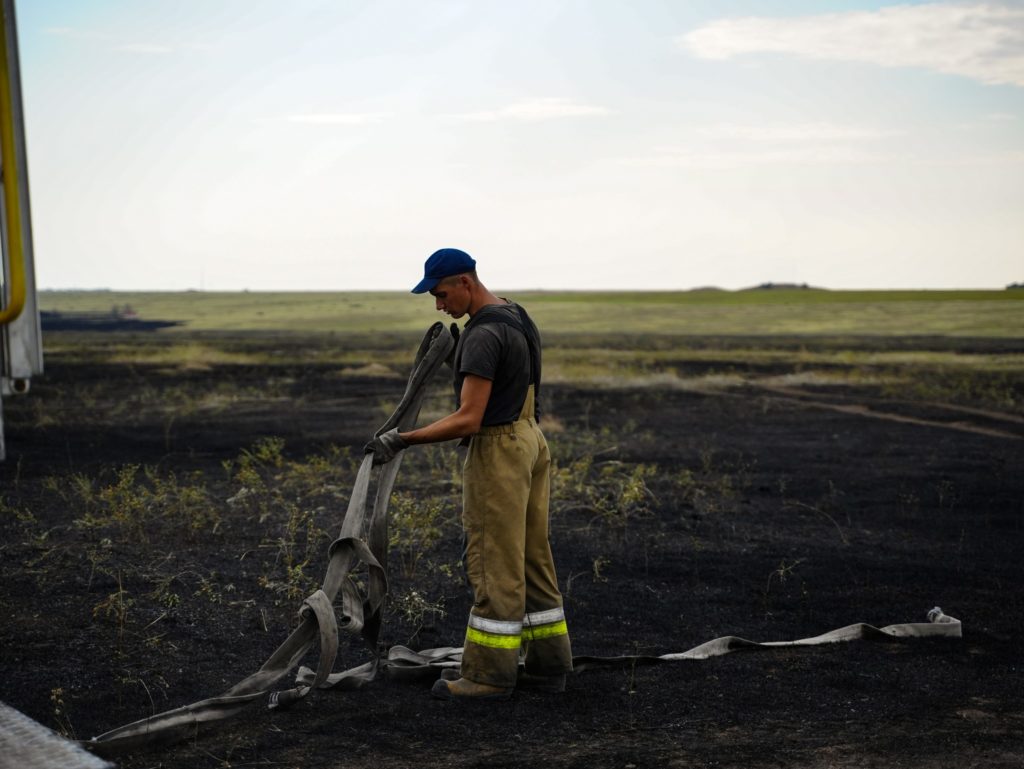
(451,296)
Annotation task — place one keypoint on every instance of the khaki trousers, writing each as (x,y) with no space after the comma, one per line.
(517,606)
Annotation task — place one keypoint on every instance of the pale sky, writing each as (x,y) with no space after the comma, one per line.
(566,144)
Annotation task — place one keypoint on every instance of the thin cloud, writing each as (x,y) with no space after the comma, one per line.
(734,146)
(795,132)
(338,118)
(62,31)
(534,110)
(698,158)
(984,41)
(74,33)
(993,159)
(145,48)
(111,42)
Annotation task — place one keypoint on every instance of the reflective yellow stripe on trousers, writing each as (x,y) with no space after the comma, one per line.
(501,634)
(493,633)
(544,624)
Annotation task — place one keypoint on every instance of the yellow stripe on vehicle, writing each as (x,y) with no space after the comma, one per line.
(12,197)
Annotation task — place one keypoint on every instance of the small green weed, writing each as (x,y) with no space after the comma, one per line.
(780,574)
(139,497)
(417,524)
(417,611)
(612,491)
(60,714)
(115,608)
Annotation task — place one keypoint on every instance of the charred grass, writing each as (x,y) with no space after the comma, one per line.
(167,504)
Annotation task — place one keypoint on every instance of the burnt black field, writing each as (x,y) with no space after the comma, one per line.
(163,520)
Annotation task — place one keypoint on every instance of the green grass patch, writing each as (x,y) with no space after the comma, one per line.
(767,312)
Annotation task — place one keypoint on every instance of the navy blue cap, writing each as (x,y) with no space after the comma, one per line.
(443,264)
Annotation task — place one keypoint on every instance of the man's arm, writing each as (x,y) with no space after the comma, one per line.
(476,391)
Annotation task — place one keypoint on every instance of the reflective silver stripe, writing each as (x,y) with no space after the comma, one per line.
(543,617)
(496,626)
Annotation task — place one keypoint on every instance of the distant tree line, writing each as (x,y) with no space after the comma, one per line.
(787,286)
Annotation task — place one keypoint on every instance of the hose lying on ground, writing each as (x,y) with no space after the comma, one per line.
(362,542)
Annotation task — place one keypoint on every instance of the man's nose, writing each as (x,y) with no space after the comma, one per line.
(438,305)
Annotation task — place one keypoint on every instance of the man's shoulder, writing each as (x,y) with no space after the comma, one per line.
(496,312)
(498,315)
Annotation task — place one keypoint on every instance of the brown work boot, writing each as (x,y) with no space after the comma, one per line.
(465,690)
(534,683)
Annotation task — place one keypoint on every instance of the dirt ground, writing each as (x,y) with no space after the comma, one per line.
(770,514)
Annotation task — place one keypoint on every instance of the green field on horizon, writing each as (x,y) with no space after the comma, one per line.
(976,313)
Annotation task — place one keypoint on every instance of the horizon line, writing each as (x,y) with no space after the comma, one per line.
(533,290)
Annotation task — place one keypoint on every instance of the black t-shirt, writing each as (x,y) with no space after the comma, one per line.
(493,346)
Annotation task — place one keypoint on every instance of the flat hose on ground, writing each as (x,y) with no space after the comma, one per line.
(363,542)
(404,664)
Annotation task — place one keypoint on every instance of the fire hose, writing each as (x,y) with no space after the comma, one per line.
(362,543)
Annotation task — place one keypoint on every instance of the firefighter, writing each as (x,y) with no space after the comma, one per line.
(517,612)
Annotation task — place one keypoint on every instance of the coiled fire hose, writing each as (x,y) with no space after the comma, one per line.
(362,542)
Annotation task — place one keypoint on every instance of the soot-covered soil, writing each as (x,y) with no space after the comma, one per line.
(770,514)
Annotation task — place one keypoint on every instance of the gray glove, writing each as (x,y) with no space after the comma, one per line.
(385,446)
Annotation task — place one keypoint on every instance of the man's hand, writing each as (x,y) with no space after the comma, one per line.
(385,446)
